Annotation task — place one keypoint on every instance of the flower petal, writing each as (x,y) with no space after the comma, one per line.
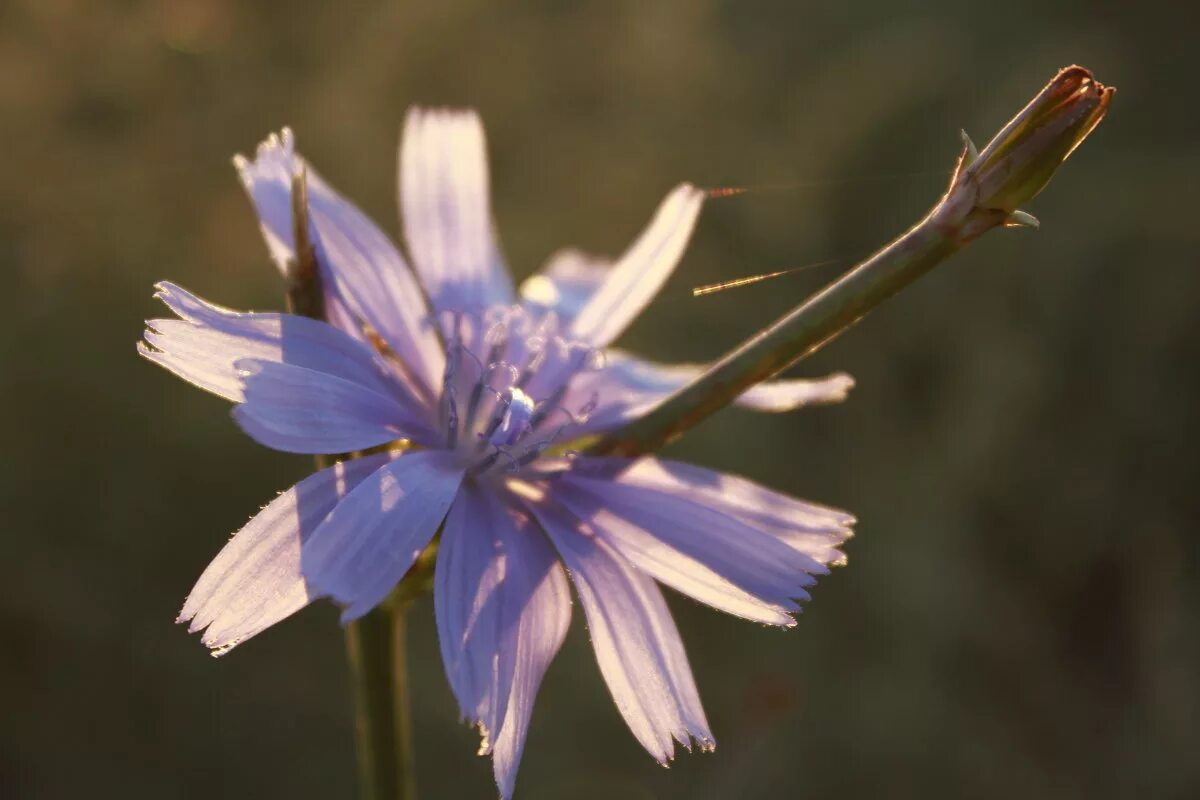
(714,557)
(299,410)
(375,285)
(636,642)
(366,545)
(627,387)
(651,382)
(268,181)
(565,284)
(642,270)
(445,205)
(676,531)
(470,593)
(503,609)
(545,618)
(204,344)
(812,530)
(255,580)
(360,266)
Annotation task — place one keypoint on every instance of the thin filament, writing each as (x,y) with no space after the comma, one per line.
(711,288)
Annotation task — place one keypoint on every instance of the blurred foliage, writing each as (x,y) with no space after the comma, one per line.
(1019,613)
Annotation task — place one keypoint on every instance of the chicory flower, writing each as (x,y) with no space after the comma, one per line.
(462,391)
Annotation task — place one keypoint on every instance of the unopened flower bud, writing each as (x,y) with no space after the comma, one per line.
(1018,163)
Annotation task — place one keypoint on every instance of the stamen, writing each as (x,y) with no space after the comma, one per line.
(533,361)
(478,364)
(454,351)
(489,462)
(486,434)
(518,409)
(484,383)
(537,448)
(451,419)
(497,338)
(535,364)
(585,411)
(549,406)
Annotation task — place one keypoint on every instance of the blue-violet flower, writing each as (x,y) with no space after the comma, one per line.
(480,382)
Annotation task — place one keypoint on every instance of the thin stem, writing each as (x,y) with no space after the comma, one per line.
(375,650)
(369,649)
(401,709)
(376,643)
(984,193)
(797,334)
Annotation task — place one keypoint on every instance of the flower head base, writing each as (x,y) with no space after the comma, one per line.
(481,382)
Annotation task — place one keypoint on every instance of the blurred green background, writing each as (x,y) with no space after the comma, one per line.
(1019,614)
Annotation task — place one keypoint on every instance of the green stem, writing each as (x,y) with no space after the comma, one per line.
(401,708)
(797,334)
(984,193)
(377,643)
(376,647)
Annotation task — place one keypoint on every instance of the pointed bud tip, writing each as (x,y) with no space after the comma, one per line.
(1022,219)
(972,152)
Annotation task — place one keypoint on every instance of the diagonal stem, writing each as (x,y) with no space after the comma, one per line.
(796,335)
(984,193)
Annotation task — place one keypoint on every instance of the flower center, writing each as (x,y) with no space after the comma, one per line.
(504,394)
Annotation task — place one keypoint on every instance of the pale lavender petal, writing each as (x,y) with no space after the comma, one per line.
(545,618)
(300,410)
(814,531)
(651,381)
(446,209)
(268,181)
(789,394)
(634,636)
(366,545)
(642,270)
(628,386)
(376,286)
(691,546)
(474,632)
(565,284)
(255,580)
(204,344)
(503,609)
(358,262)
